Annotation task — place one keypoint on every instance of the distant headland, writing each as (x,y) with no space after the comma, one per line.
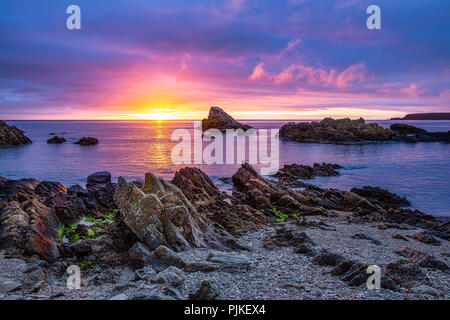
(426,116)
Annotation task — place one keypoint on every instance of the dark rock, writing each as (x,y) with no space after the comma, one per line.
(206,291)
(139,255)
(146,273)
(101,177)
(400,237)
(56,140)
(355,273)
(325,258)
(87,141)
(156,292)
(295,171)
(381,197)
(427,238)
(286,237)
(365,237)
(306,249)
(11,135)
(79,249)
(408,133)
(406,274)
(219,119)
(422,259)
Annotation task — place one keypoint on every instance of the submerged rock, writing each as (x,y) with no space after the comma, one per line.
(11,135)
(297,171)
(87,141)
(219,119)
(162,215)
(56,140)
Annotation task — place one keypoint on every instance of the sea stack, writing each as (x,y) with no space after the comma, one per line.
(12,136)
(219,119)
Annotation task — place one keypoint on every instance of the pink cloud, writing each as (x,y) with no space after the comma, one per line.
(413,91)
(318,76)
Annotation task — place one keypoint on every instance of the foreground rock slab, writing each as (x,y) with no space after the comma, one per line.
(162,215)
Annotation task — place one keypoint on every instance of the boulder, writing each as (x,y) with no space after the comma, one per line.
(406,274)
(101,177)
(162,215)
(172,276)
(12,136)
(426,237)
(422,259)
(219,119)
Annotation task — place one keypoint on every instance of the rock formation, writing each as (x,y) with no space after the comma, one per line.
(56,140)
(87,141)
(219,119)
(160,214)
(11,135)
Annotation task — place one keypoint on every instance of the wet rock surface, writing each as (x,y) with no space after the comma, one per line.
(295,171)
(56,140)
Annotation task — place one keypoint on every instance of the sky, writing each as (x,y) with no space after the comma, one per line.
(257,59)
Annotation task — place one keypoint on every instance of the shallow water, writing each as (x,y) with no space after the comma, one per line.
(419,171)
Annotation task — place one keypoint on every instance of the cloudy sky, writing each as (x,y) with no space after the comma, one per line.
(258,59)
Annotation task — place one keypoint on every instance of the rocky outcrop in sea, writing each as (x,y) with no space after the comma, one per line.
(12,136)
(219,119)
(356,131)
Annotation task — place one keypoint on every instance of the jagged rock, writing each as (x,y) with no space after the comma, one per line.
(219,119)
(206,291)
(161,215)
(265,194)
(11,135)
(422,259)
(381,197)
(29,228)
(365,237)
(87,141)
(196,185)
(355,273)
(101,177)
(295,171)
(427,238)
(56,140)
(406,274)
(172,276)
(201,191)
(334,131)
(419,219)
(400,237)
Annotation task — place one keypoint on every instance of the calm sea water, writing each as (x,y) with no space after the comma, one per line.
(419,171)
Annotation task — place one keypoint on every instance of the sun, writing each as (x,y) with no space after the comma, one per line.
(156,114)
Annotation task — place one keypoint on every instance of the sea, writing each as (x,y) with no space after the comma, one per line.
(418,171)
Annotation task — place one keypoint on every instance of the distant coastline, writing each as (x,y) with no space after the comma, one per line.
(425,116)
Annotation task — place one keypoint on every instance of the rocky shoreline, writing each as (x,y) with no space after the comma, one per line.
(272,238)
